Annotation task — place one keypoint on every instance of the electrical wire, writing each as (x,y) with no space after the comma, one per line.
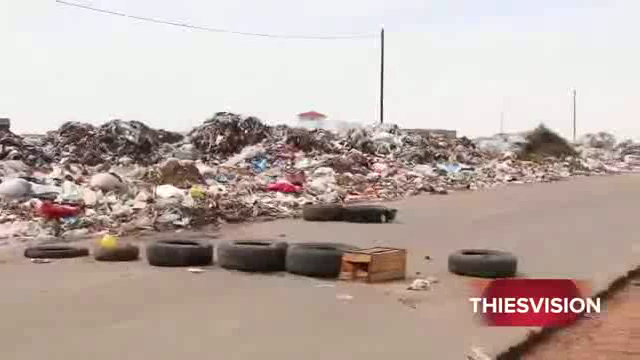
(195,27)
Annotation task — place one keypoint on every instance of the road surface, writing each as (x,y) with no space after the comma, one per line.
(79,309)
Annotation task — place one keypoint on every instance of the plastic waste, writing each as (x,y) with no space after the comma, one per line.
(284,187)
(55,211)
(424,170)
(169,191)
(70,192)
(247,153)
(107,182)
(109,241)
(198,192)
(296,177)
(14,188)
(260,165)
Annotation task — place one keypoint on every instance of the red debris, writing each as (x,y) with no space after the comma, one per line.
(54,211)
(284,187)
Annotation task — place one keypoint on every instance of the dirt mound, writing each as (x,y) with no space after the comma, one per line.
(542,142)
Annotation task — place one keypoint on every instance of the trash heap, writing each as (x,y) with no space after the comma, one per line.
(14,147)
(126,177)
(112,142)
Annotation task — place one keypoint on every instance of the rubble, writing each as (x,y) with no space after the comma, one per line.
(128,177)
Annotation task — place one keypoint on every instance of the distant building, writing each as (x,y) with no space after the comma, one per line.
(5,124)
(312,120)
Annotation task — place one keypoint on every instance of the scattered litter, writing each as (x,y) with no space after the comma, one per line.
(344,297)
(421,285)
(477,354)
(195,270)
(41,261)
(325,286)
(408,302)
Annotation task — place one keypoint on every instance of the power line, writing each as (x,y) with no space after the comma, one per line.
(195,27)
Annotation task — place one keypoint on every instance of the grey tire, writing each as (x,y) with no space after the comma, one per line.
(330,212)
(322,260)
(55,252)
(369,214)
(252,255)
(126,252)
(180,253)
(483,263)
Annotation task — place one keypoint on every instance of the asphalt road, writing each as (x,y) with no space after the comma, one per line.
(79,309)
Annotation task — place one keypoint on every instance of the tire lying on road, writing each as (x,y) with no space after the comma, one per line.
(55,252)
(180,253)
(126,252)
(332,212)
(483,263)
(316,259)
(252,255)
(369,214)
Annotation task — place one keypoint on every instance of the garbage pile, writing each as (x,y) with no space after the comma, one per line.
(227,133)
(113,142)
(14,147)
(127,177)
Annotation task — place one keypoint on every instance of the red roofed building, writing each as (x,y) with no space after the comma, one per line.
(312,120)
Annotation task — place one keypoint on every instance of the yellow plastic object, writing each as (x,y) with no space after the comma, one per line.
(198,192)
(109,241)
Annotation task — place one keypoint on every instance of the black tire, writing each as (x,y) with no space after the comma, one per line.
(252,255)
(483,263)
(120,253)
(322,212)
(369,214)
(322,260)
(55,252)
(179,253)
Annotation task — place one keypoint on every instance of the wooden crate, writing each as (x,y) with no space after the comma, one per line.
(373,265)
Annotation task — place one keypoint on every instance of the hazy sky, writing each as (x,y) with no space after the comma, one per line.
(450,64)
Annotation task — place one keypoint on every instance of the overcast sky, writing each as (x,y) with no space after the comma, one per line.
(450,64)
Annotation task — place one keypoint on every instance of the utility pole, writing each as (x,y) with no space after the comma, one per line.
(574,115)
(502,122)
(382,76)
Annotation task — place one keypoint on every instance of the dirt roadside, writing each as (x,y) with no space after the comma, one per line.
(614,334)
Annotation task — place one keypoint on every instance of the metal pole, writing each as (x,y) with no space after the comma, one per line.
(502,122)
(382,76)
(574,115)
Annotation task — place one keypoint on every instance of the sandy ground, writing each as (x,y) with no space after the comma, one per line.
(612,335)
(78,309)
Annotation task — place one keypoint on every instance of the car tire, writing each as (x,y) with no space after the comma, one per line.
(126,252)
(55,252)
(483,263)
(370,214)
(330,212)
(252,255)
(322,260)
(179,253)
